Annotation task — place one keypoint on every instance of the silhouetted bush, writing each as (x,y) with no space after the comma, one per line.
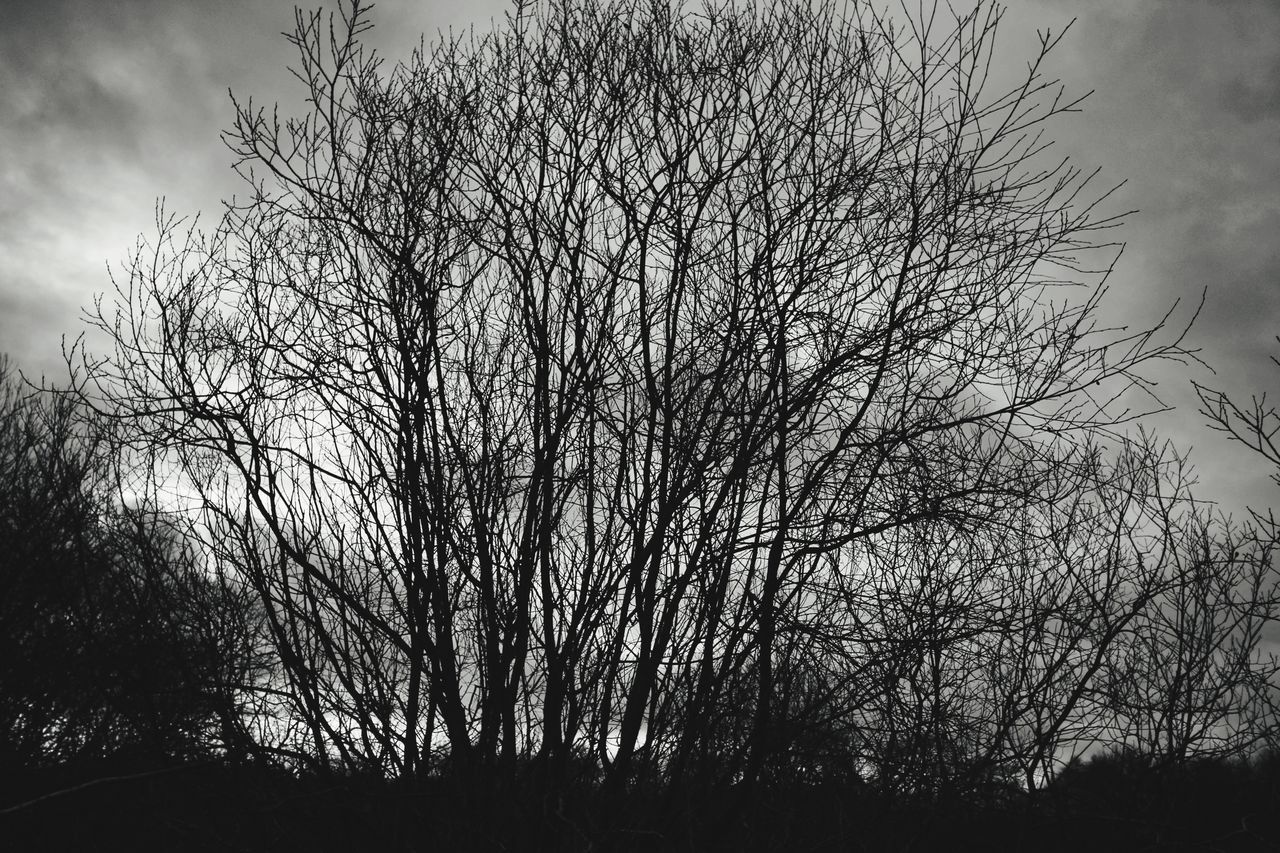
(114,643)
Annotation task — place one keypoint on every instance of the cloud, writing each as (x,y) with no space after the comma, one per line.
(1186,109)
(1211,176)
(1254,96)
(106,106)
(31,321)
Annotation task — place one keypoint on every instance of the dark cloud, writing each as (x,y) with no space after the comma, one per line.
(1188,107)
(1255,95)
(1208,164)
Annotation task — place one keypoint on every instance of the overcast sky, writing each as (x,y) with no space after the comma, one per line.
(106,105)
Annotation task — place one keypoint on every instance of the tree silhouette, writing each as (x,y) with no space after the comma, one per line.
(717,395)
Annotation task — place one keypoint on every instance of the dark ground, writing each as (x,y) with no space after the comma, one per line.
(1109,804)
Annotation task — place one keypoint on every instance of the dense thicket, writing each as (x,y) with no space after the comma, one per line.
(674,398)
(114,643)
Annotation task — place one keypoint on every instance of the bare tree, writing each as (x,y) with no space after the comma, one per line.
(1253,424)
(1192,677)
(551,388)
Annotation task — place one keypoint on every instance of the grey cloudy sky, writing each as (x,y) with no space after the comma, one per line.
(106,105)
